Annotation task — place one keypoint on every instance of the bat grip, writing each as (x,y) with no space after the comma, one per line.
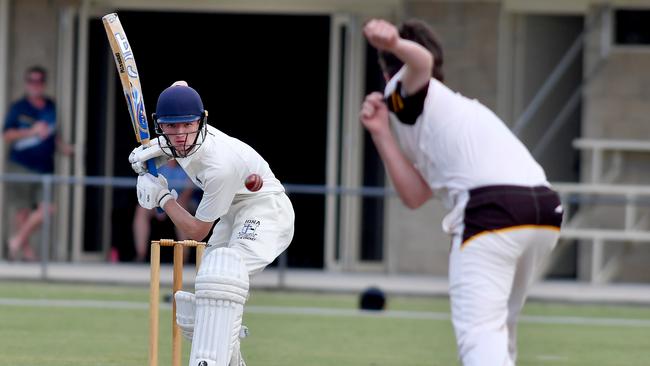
(151,167)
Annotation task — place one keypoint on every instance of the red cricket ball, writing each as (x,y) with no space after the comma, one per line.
(254,182)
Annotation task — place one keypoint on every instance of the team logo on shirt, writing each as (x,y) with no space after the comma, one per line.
(249,230)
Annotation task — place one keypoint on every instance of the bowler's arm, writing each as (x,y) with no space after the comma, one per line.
(419,63)
(412,189)
(418,60)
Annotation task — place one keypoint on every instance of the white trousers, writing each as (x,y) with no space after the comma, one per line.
(489,277)
(259,227)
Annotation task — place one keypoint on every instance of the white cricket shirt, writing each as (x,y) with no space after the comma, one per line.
(457,144)
(220,167)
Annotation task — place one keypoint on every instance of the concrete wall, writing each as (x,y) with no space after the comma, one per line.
(415,238)
(617,100)
(540,43)
(469,32)
(616,105)
(33,41)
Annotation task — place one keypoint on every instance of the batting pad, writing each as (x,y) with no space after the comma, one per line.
(221,289)
(185,310)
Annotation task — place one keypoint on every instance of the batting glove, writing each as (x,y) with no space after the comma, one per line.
(139,156)
(153,191)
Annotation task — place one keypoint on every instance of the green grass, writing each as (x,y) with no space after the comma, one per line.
(49,336)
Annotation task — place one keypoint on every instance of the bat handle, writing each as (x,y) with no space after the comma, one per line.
(151,167)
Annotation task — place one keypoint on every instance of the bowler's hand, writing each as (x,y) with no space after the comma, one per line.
(374,114)
(381,34)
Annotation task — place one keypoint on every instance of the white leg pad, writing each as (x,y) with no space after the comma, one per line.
(185,310)
(221,290)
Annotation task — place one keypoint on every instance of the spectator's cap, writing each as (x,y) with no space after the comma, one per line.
(179,103)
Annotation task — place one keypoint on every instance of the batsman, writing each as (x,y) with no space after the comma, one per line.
(251,227)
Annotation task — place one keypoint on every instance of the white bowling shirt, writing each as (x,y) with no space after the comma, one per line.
(457,144)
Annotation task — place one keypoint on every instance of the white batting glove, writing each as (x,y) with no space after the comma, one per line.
(139,156)
(153,191)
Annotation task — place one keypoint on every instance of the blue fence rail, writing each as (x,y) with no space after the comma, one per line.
(49,181)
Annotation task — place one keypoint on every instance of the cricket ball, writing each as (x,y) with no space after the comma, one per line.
(254,182)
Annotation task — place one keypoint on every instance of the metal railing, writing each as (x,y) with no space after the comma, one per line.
(48,181)
(629,196)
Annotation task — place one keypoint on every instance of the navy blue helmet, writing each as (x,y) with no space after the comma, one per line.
(178,104)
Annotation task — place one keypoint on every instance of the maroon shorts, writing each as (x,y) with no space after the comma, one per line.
(499,207)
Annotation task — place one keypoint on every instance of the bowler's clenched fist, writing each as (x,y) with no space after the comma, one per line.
(374,113)
(381,34)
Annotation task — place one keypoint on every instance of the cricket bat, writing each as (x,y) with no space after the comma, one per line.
(128,71)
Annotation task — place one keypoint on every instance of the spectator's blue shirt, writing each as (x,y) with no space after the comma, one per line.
(32,152)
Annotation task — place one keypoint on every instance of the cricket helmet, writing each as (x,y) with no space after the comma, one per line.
(180,103)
